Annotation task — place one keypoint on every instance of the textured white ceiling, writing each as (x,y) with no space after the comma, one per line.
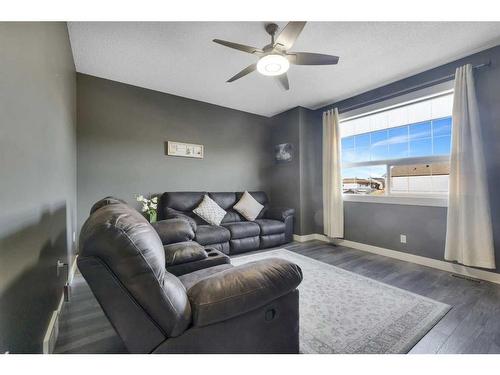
(180,58)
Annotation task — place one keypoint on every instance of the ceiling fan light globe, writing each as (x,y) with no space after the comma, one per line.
(273,65)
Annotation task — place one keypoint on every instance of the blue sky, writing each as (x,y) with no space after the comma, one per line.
(413,140)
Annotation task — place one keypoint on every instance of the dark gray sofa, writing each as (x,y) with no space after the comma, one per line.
(273,226)
(252,308)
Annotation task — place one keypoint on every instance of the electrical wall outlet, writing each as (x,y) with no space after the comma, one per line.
(402,238)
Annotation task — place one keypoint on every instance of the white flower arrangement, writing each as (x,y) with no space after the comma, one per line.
(149,206)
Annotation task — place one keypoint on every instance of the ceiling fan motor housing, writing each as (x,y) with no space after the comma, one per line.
(271,29)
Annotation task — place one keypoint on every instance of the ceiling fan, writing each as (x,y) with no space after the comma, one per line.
(275,58)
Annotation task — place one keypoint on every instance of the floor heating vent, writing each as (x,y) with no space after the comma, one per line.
(467,278)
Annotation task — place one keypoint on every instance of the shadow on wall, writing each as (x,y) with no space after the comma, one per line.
(29,287)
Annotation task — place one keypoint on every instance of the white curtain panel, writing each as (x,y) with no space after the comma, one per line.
(469,238)
(333,205)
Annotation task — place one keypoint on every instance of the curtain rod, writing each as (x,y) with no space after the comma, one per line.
(408,90)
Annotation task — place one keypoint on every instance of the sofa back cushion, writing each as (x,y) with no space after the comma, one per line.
(121,239)
(186,202)
(182,202)
(227,201)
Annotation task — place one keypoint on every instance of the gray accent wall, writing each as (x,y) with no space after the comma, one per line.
(381,224)
(294,184)
(285,177)
(311,172)
(37,177)
(121,135)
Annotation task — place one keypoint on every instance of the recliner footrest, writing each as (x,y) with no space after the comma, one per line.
(241,289)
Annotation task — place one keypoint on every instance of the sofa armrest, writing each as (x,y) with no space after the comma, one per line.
(279,213)
(170,213)
(183,252)
(212,259)
(173,230)
(241,289)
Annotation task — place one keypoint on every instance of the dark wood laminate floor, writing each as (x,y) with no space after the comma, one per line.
(471,326)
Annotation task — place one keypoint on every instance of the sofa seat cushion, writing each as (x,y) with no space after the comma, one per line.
(189,279)
(242,229)
(210,234)
(269,226)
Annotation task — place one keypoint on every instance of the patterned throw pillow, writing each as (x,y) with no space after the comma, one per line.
(248,207)
(210,211)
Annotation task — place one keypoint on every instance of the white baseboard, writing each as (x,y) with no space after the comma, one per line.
(52,330)
(311,237)
(72,271)
(417,259)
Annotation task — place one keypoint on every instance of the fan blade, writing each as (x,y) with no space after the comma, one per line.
(244,72)
(306,58)
(283,80)
(289,34)
(239,47)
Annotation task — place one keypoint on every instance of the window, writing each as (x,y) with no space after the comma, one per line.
(401,151)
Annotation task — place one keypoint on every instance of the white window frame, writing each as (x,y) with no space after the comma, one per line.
(425,199)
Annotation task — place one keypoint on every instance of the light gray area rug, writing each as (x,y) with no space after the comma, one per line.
(343,312)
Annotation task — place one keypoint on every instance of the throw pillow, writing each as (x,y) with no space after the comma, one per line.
(210,211)
(248,207)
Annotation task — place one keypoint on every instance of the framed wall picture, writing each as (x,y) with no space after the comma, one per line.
(283,153)
(187,150)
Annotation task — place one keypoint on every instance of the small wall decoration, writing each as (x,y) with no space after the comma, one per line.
(187,150)
(283,152)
